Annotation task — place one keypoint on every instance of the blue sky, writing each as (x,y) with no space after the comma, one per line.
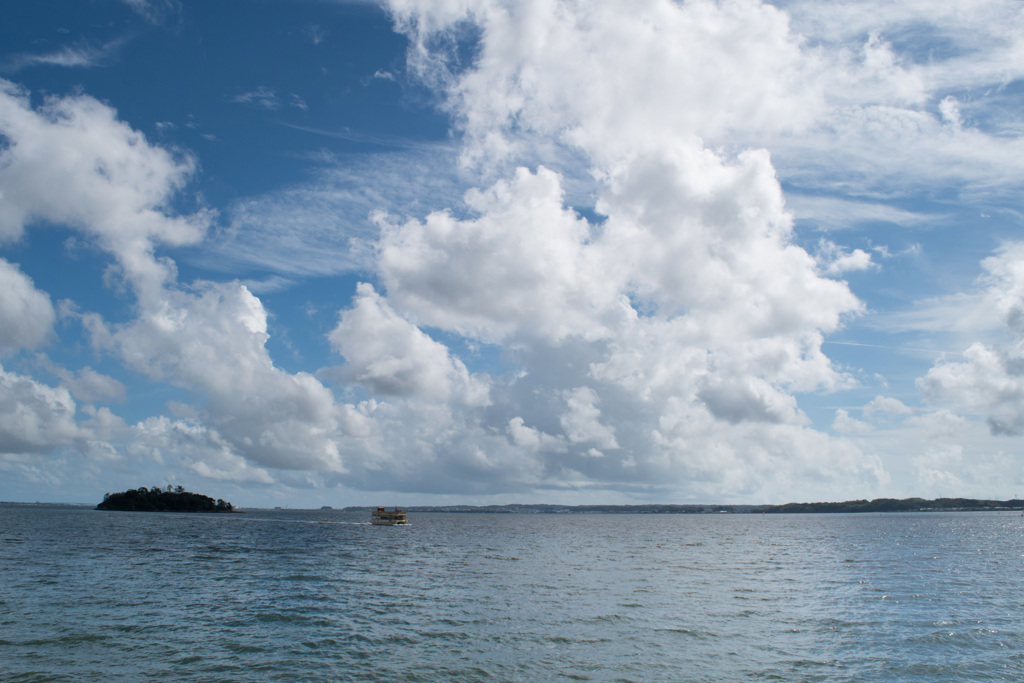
(336,253)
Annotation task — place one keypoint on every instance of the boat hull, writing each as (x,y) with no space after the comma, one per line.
(383,517)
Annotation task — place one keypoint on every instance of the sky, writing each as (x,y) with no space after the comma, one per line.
(309,252)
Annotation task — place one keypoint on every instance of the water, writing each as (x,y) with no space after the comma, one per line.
(324,596)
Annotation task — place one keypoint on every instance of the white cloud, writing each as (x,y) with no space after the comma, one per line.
(582,420)
(949,469)
(1005,282)
(836,213)
(264,97)
(199,449)
(940,468)
(26,314)
(771,462)
(35,417)
(698,68)
(532,439)
(212,342)
(91,386)
(261,98)
(627,250)
(835,260)
(844,424)
(686,312)
(521,269)
(951,456)
(712,239)
(73,162)
(739,74)
(747,399)
(968,314)
(113,185)
(672,330)
(81,55)
(949,108)
(890,125)
(990,379)
(856,260)
(392,357)
(324,227)
(888,407)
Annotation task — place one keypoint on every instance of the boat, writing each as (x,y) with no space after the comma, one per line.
(385,517)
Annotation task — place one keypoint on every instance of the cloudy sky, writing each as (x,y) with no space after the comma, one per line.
(307,253)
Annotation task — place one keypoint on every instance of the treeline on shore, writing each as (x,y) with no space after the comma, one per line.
(157,499)
(895,505)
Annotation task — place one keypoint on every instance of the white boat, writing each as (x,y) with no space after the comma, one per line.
(385,517)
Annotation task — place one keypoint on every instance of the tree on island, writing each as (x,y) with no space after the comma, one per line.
(174,499)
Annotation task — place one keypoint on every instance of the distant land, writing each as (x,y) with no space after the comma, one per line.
(850,506)
(904,505)
(173,499)
(158,500)
(546,508)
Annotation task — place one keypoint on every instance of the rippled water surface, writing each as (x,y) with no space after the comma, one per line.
(311,596)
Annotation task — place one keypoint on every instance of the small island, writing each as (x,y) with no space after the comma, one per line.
(171,499)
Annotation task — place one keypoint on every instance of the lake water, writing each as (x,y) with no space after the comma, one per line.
(324,596)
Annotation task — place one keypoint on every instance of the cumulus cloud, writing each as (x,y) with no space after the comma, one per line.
(845,424)
(626,249)
(90,386)
(526,81)
(531,439)
(748,399)
(790,77)
(26,314)
(209,339)
(521,269)
(835,260)
(392,357)
(199,448)
(73,162)
(582,419)
(684,309)
(888,407)
(212,341)
(35,417)
(114,186)
(710,238)
(989,380)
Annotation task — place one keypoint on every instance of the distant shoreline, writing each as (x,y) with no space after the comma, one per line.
(850,506)
(845,507)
